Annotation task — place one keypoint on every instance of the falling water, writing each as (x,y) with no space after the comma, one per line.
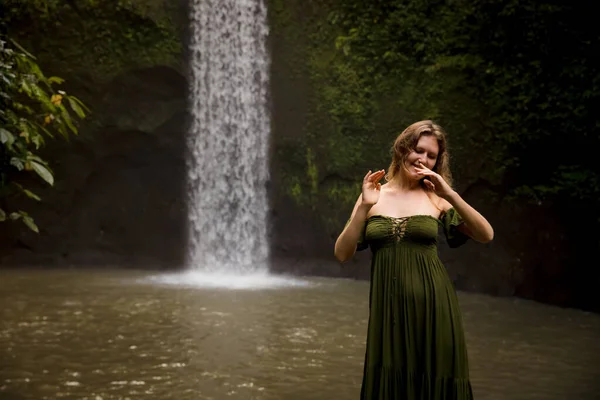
(228,139)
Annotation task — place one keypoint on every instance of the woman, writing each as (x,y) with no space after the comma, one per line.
(415,342)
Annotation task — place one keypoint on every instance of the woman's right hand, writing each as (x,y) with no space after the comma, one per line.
(371,187)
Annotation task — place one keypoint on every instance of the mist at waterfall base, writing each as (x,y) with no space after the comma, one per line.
(250,281)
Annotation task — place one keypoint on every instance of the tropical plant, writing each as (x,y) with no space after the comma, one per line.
(32,110)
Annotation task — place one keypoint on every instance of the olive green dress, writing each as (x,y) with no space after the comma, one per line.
(415,341)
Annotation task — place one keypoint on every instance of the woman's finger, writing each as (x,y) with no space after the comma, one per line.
(426,172)
(423,166)
(376,176)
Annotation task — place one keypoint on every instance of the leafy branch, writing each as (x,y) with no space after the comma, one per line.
(32,111)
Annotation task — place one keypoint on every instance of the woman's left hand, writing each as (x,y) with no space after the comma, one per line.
(435,182)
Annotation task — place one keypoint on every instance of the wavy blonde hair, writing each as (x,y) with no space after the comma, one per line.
(407,142)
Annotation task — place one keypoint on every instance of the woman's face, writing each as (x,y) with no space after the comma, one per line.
(426,152)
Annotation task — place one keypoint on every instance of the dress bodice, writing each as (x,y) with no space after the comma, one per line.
(415,230)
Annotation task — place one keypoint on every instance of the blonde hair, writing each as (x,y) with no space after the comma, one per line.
(407,141)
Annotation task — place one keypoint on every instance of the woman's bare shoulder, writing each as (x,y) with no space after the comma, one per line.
(441,204)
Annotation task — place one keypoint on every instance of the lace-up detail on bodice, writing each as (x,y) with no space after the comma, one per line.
(415,230)
(420,230)
(399,227)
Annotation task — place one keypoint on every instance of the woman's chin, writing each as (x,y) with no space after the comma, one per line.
(414,176)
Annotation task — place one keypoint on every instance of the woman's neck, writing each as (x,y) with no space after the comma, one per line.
(401,183)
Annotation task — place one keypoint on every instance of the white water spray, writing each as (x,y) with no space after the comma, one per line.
(229,137)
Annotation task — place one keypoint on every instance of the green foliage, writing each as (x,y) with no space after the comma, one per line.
(95,40)
(32,111)
(90,41)
(512,82)
(529,64)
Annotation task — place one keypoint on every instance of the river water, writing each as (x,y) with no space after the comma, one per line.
(114,334)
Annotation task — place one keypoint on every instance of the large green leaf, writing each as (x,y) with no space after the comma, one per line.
(31,195)
(6,137)
(76,100)
(66,118)
(27,192)
(26,87)
(78,110)
(56,79)
(38,141)
(15,216)
(6,79)
(29,130)
(17,163)
(43,172)
(27,220)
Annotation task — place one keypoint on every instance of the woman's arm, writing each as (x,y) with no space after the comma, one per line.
(475,225)
(345,245)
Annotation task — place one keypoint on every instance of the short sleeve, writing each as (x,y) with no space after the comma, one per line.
(450,222)
(362,244)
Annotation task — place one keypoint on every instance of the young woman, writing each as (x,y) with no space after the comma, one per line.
(415,342)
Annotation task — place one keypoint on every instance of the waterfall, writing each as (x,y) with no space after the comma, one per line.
(229,137)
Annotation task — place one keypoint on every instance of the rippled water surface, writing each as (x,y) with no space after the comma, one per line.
(138,335)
